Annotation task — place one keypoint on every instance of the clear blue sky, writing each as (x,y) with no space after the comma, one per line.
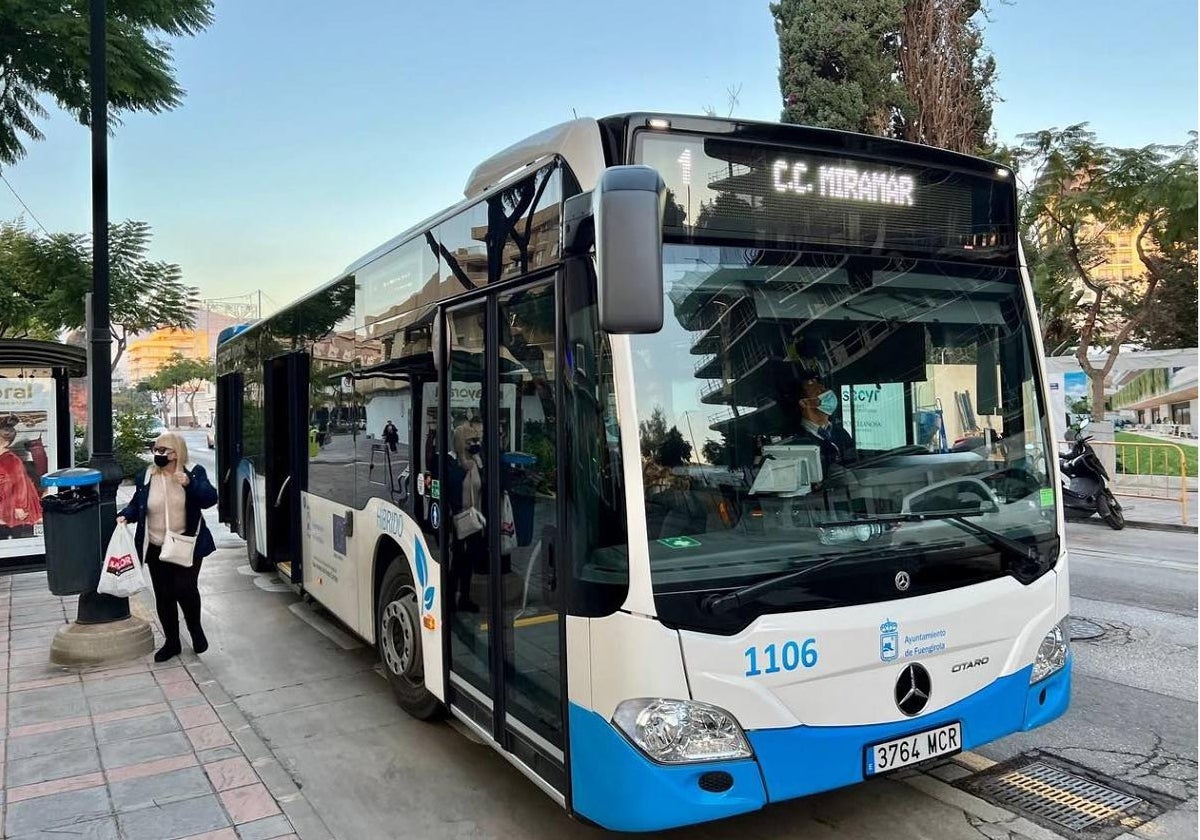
(313,131)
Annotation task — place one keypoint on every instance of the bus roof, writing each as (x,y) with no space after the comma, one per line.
(576,141)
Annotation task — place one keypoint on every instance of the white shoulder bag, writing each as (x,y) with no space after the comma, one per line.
(176,548)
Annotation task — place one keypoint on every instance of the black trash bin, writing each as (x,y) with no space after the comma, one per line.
(71,523)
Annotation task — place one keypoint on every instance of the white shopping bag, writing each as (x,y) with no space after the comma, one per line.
(121,575)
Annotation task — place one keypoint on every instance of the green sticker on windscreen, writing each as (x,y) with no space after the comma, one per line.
(1047,497)
(680,542)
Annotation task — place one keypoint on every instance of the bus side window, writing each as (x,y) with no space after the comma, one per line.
(596,542)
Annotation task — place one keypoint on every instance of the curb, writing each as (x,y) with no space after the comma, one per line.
(1161,526)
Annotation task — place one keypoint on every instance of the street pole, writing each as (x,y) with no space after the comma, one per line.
(93,607)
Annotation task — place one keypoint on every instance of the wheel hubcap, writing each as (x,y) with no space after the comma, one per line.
(400,640)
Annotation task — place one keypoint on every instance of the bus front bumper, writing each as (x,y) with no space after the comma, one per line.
(615,785)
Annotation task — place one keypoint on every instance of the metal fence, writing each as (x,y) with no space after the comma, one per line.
(1147,470)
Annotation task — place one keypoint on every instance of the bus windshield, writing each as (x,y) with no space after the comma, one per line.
(799,406)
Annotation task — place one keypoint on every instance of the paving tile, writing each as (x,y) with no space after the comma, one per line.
(250,803)
(59,710)
(102,829)
(159,789)
(210,736)
(271,827)
(137,727)
(219,754)
(46,682)
(48,695)
(103,672)
(171,675)
(124,753)
(180,690)
(219,834)
(129,682)
(56,811)
(45,768)
(150,768)
(231,773)
(52,726)
(189,701)
(131,712)
(44,743)
(125,699)
(194,716)
(81,782)
(175,820)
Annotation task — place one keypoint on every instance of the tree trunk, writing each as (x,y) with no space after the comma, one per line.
(1096,379)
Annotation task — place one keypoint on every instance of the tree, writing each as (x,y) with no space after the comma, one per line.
(44,56)
(714,452)
(674,450)
(912,69)
(652,432)
(144,295)
(187,376)
(42,282)
(1076,190)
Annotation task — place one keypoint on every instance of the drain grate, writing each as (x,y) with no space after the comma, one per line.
(1061,797)
(1060,794)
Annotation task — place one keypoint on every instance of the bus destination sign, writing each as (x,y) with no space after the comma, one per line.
(844,183)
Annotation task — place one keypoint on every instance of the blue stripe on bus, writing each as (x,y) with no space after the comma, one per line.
(614,785)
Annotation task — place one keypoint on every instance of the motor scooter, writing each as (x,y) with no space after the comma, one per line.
(1085,484)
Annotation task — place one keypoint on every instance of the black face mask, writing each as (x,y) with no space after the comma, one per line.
(162,460)
(474,449)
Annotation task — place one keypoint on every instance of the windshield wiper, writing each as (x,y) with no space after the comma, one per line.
(1026,556)
(718,604)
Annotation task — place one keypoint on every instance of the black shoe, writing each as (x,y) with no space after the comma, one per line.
(467,605)
(167,651)
(199,640)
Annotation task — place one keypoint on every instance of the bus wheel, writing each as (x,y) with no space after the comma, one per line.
(257,562)
(398,637)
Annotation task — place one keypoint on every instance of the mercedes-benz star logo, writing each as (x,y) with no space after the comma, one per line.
(903,581)
(913,689)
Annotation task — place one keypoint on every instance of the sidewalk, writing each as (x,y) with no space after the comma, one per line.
(136,750)
(1158,514)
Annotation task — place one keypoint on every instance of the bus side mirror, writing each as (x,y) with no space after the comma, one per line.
(627,208)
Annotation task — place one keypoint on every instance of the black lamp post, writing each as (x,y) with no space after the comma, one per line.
(93,607)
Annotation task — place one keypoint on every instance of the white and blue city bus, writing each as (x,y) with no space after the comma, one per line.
(694,464)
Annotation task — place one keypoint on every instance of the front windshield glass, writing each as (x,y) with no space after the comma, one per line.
(801,405)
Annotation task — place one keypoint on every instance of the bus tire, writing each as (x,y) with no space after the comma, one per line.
(257,562)
(398,639)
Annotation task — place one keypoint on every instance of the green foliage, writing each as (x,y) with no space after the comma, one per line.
(838,62)
(1075,190)
(913,69)
(144,294)
(132,433)
(652,432)
(43,280)
(44,56)
(714,452)
(674,451)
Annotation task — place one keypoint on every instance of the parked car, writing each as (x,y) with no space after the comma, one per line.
(157,428)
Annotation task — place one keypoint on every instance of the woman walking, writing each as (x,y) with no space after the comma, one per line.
(169,496)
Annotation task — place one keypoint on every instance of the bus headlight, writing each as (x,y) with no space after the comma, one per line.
(681,731)
(1052,653)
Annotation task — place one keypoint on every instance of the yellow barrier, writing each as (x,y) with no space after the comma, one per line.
(1142,474)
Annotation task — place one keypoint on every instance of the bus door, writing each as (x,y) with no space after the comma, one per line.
(505,652)
(228,439)
(286,442)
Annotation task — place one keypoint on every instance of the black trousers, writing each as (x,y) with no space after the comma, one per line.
(174,589)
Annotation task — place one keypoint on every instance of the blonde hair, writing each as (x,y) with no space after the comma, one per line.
(170,440)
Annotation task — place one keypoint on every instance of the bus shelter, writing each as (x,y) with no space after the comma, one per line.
(36,437)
